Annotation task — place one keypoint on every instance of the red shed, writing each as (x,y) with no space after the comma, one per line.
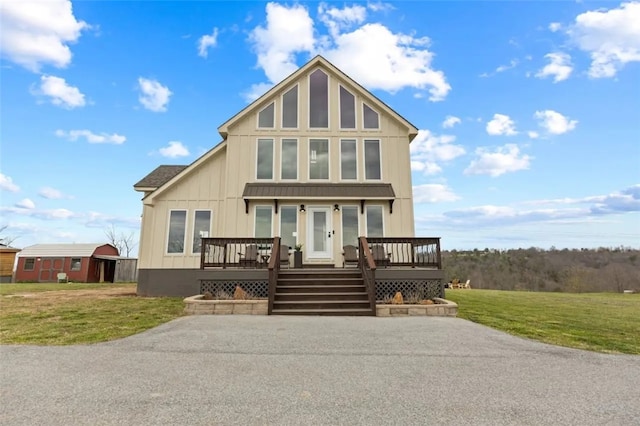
(81,262)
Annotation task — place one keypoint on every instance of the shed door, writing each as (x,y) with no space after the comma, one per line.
(49,268)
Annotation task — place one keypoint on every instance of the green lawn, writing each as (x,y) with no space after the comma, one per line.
(30,315)
(602,322)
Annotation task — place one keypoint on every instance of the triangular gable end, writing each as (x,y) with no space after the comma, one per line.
(328,66)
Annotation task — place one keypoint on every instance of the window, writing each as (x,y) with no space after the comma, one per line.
(266,117)
(372,159)
(370,118)
(289,157)
(201,229)
(289,225)
(263,222)
(347,109)
(29,264)
(350,228)
(348,160)
(374,221)
(290,109)
(76,264)
(318,99)
(264,169)
(318,159)
(177,231)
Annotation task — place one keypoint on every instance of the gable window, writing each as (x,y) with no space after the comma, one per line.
(347,109)
(372,159)
(318,100)
(289,166)
(370,118)
(290,109)
(264,169)
(350,225)
(76,264)
(266,117)
(29,264)
(177,231)
(201,229)
(375,226)
(348,160)
(289,225)
(262,227)
(318,159)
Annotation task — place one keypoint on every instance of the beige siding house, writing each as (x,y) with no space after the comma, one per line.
(317,161)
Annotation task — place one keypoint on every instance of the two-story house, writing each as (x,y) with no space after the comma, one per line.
(317,161)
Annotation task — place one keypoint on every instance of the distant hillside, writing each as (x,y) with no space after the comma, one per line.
(583,270)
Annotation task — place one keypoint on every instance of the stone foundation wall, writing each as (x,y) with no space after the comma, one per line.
(442,308)
(196,305)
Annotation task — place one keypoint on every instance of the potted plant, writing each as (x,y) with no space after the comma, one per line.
(297,256)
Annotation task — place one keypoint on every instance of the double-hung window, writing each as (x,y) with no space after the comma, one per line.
(318,159)
(350,229)
(177,231)
(289,225)
(348,159)
(375,226)
(372,159)
(201,229)
(263,228)
(264,168)
(289,157)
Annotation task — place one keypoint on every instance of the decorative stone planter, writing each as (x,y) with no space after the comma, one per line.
(196,305)
(442,308)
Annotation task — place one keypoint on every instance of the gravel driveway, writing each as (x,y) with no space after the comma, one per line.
(248,370)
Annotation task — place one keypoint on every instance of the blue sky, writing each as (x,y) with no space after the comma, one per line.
(529,112)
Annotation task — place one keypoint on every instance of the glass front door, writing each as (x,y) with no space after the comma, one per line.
(319,232)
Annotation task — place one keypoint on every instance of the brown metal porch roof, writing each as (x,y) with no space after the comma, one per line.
(380,191)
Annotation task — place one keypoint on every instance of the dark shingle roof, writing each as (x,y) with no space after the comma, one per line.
(319,190)
(160,176)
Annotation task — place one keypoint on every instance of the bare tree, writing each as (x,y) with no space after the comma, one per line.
(123,242)
(7,240)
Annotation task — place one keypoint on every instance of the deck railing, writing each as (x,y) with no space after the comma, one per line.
(367,266)
(236,252)
(274,270)
(412,252)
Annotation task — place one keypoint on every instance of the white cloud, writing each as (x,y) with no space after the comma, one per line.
(611,37)
(371,53)
(450,121)
(154,96)
(59,92)
(256,90)
(174,149)
(74,135)
(428,151)
(555,26)
(34,33)
(40,214)
(502,160)
(52,193)
(554,122)
(207,41)
(501,125)
(512,64)
(559,67)
(433,193)
(6,184)
(533,134)
(26,203)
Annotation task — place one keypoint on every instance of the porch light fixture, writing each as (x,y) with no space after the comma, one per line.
(336,208)
(302,209)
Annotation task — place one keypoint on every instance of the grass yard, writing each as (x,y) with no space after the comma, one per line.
(64,314)
(602,322)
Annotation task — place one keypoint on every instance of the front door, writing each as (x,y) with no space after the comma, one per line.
(319,233)
(49,268)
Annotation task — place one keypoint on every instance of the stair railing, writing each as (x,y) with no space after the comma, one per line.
(274,270)
(367,266)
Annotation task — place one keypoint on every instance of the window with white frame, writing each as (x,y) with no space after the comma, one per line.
(201,229)
(318,159)
(264,168)
(347,109)
(348,159)
(75,264)
(350,228)
(263,227)
(375,227)
(266,117)
(289,157)
(318,100)
(370,118)
(177,231)
(29,264)
(288,225)
(372,159)
(290,109)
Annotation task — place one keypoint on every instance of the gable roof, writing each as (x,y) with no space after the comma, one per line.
(61,250)
(318,61)
(158,177)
